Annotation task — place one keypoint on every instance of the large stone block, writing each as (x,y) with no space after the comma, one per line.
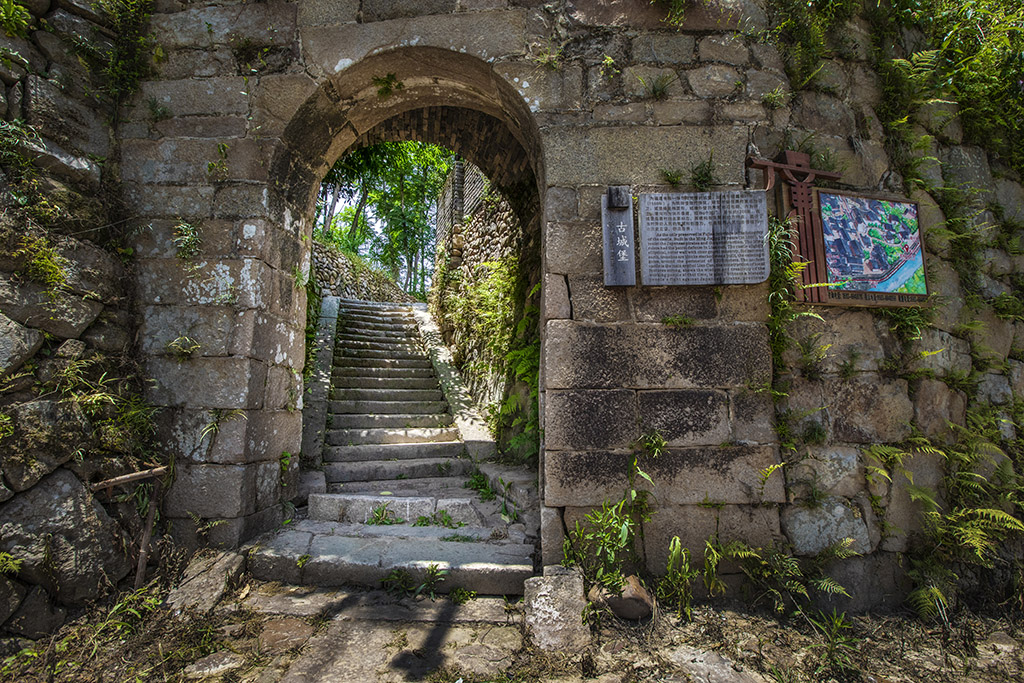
(691,476)
(664,48)
(212,491)
(589,419)
(487,35)
(245,283)
(46,435)
(63,119)
(936,406)
(198,63)
(276,99)
(994,337)
(756,526)
(812,529)
(554,605)
(876,581)
(967,166)
(617,155)
(848,336)
(714,80)
(868,409)
(836,470)
(941,353)
(264,24)
(592,301)
(752,414)
(223,95)
(545,89)
(645,356)
(654,304)
(688,417)
(228,383)
(574,248)
(17,344)
(58,313)
(556,298)
(64,538)
(380,10)
(323,12)
(189,161)
(169,201)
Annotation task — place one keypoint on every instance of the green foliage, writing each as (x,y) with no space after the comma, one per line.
(550,57)
(129,59)
(217,169)
(907,322)
(460,596)
(9,566)
(440,518)
(677,321)
(837,648)
(673,177)
(478,482)
(387,85)
(43,263)
(675,588)
(183,347)
(398,582)
(608,68)
(14,18)
(803,30)
(676,12)
(775,99)
(188,239)
(656,87)
(783,281)
(811,355)
(382,515)
(702,174)
(460,538)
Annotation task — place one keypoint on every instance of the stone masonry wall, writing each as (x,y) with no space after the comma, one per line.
(486,233)
(338,275)
(66,331)
(256,101)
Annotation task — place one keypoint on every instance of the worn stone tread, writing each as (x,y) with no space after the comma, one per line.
(389,407)
(393,451)
(341,472)
(390,421)
(351,437)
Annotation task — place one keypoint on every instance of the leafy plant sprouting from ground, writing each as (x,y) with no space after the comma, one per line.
(478,482)
(441,518)
(400,582)
(837,647)
(656,87)
(387,85)
(702,174)
(676,587)
(383,515)
(606,543)
(673,177)
(677,321)
(187,239)
(14,18)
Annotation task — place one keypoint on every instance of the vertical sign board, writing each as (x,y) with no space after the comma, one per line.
(619,249)
(704,238)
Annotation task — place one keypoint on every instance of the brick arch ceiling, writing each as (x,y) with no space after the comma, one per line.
(446,97)
(474,135)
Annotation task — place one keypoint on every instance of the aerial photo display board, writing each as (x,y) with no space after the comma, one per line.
(704,238)
(872,250)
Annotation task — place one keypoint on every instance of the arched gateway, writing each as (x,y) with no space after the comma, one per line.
(224,154)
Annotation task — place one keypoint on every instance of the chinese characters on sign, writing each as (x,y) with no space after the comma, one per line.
(619,249)
(704,238)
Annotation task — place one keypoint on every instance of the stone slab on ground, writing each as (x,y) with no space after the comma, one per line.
(205,581)
(554,609)
(701,666)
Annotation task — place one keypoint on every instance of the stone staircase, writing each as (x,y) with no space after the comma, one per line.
(396,470)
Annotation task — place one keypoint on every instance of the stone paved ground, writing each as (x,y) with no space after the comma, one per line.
(274,633)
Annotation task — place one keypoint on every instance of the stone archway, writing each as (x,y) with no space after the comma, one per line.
(232,407)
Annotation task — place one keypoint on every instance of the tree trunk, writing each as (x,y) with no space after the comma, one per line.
(360,206)
(330,211)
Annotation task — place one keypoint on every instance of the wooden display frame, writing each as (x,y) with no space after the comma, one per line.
(819,259)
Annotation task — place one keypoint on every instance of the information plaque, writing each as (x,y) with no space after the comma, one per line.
(704,238)
(617,226)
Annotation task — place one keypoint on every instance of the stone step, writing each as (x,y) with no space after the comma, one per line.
(358,334)
(375,327)
(389,407)
(393,421)
(375,310)
(351,437)
(359,394)
(388,383)
(381,372)
(331,559)
(358,318)
(478,534)
(343,362)
(438,487)
(344,472)
(343,353)
(393,451)
(361,508)
(404,346)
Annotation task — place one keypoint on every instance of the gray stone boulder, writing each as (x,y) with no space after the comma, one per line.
(59,313)
(12,594)
(554,608)
(66,541)
(17,344)
(46,435)
(37,617)
(812,529)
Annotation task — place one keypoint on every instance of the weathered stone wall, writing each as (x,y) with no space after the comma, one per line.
(255,103)
(66,330)
(338,275)
(485,233)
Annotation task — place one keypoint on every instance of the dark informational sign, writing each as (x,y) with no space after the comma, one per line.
(619,247)
(704,238)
